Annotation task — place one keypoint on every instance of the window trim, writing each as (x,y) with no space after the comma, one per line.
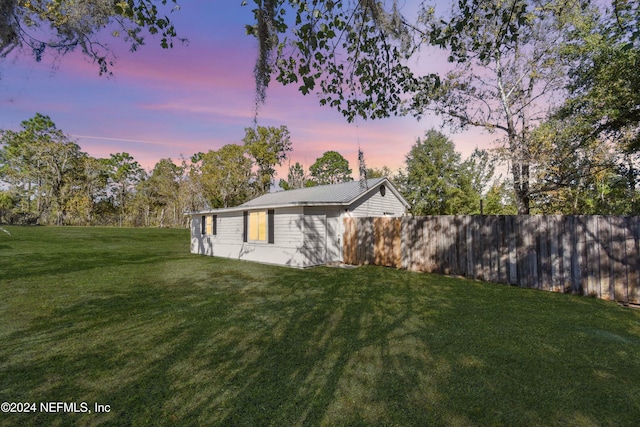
(258,218)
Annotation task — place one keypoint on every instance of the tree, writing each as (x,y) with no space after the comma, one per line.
(61,162)
(39,164)
(604,84)
(124,174)
(191,185)
(434,182)
(225,176)
(582,174)
(480,167)
(499,199)
(93,189)
(7,203)
(383,172)
(330,168)
(65,25)
(362,166)
(296,178)
(268,147)
(158,196)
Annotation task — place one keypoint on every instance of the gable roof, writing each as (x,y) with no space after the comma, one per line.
(342,194)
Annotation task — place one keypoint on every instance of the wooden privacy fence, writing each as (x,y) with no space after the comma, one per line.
(587,255)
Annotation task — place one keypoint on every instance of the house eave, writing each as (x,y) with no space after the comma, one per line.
(262,207)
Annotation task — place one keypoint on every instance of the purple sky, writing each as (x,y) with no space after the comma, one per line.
(195,97)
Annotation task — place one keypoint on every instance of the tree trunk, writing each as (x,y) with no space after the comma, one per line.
(521,187)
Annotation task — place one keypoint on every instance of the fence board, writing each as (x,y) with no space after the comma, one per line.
(533,225)
(503,251)
(349,242)
(485,247)
(543,260)
(468,245)
(419,246)
(632,254)
(634,274)
(604,240)
(513,255)
(619,254)
(494,268)
(564,251)
(593,259)
(477,248)
(581,252)
(407,235)
(554,256)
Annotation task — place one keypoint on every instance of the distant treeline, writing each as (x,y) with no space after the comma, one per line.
(45,178)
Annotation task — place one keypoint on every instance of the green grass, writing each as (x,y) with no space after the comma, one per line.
(128,318)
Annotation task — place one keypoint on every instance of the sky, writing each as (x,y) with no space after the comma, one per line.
(196,97)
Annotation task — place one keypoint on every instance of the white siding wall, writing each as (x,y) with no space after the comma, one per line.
(315,235)
(377,205)
(287,249)
(288,224)
(335,230)
(196,236)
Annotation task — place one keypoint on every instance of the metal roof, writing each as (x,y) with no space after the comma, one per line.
(344,193)
(337,194)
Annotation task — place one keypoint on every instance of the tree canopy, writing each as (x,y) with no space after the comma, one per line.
(436,181)
(330,168)
(62,26)
(268,147)
(39,161)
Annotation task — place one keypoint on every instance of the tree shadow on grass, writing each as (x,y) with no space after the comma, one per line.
(262,345)
(234,352)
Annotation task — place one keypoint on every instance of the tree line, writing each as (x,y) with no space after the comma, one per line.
(45,178)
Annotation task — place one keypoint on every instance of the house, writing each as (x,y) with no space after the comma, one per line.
(297,228)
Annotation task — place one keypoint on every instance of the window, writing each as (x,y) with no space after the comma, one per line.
(209,226)
(259,226)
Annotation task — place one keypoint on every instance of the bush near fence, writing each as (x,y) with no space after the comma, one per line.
(587,255)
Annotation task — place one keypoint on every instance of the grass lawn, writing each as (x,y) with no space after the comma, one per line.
(128,318)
